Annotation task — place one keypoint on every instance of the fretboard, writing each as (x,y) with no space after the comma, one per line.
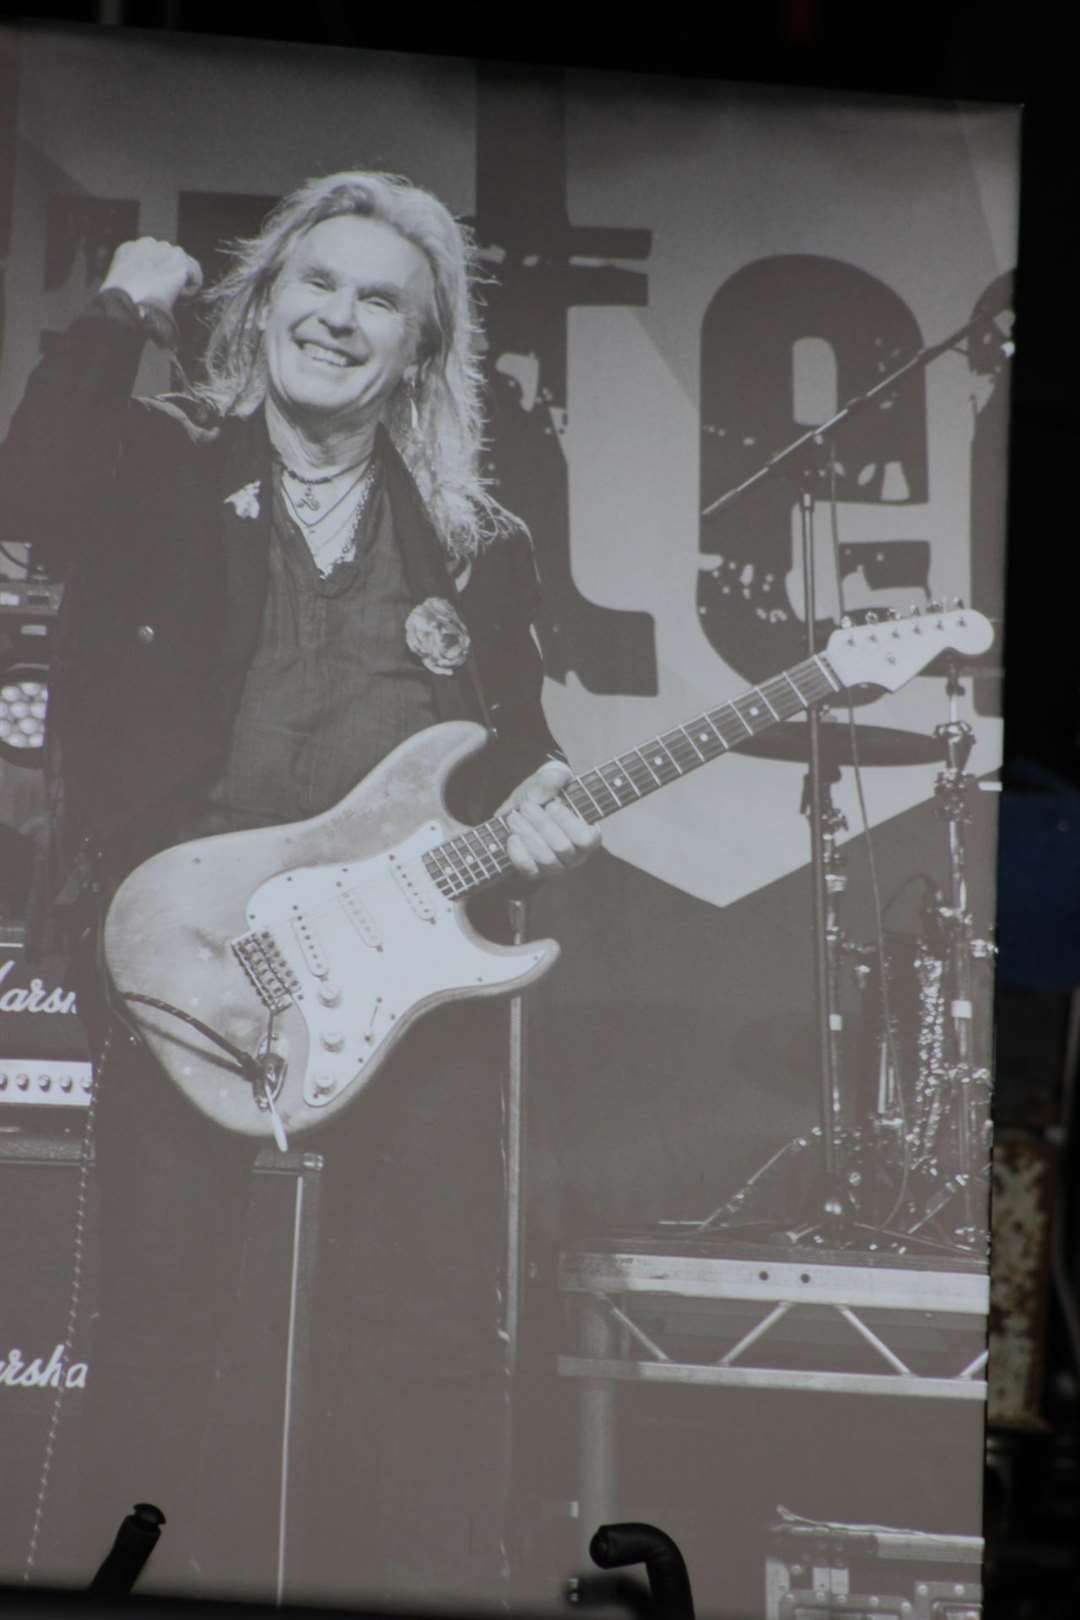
(477,857)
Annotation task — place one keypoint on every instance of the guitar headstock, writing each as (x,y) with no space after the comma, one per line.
(889,650)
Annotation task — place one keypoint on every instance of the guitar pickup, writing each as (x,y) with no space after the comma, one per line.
(411,889)
(273,980)
(309,944)
(361,918)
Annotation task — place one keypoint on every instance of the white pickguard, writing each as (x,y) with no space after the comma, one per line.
(371,943)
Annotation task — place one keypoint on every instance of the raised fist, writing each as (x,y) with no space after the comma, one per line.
(153,272)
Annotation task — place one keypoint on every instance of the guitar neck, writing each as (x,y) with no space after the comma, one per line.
(476,858)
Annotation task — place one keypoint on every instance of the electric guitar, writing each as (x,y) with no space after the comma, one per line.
(272,971)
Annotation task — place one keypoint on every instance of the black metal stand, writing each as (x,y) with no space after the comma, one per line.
(960,1072)
(135,1541)
(828,1206)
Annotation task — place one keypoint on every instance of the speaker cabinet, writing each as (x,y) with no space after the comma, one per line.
(260,1424)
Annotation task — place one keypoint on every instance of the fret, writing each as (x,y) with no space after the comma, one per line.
(619,783)
(465,863)
(465,859)
(647,780)
(459,878)
(660,762)
(496,833)
(804,702)
(722,721)
(827,672)
(785,704)
(438,863)
(814,679)
(493,836)
(598,781)
(737,711)
(576,795)
(701,758)
(579,783)
(456,857)
(441,868)
(655,781)
(708,738)
(760,690)
(480,853)
(757,721)
(724,729)
(681,749)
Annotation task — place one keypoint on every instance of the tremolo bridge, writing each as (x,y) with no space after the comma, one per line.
(273,980)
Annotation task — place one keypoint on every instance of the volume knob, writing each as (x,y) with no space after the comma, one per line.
(332,1039)
(329,993)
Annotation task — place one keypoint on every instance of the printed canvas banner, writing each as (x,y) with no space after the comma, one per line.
(444,1256)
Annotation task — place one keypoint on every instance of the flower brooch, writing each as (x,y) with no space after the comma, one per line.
(245,502)
(435,633)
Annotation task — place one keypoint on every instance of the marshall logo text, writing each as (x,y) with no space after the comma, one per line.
(34,997)
(18,1373)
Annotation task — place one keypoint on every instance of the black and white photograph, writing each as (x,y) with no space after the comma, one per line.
(502,613)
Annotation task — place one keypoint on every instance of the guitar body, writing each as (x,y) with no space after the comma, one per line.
(314,945)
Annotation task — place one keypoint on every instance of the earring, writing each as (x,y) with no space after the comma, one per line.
(414,414)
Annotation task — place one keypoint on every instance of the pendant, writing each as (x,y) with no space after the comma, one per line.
(308,500)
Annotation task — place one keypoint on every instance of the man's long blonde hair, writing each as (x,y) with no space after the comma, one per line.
(439,433)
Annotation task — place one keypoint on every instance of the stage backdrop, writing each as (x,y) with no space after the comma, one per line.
(683,278)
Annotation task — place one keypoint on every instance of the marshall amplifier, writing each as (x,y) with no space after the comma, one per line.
(39,1195)
(44,1058)
(264,1379)
(45,1079)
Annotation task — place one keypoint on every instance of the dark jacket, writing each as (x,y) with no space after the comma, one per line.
(126,500)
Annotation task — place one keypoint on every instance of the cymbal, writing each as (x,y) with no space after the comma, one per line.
(874,745)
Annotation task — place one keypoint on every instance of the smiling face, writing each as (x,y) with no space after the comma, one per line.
(343,322)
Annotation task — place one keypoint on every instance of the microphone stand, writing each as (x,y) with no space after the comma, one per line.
(814,436)
(823,820)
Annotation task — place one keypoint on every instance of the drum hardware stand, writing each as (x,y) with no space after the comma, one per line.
(834,1196)
(832,1223)
(954,790)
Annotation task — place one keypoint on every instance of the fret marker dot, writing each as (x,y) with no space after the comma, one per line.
(657,759)
(471,859)
(618,781)
(755,711)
